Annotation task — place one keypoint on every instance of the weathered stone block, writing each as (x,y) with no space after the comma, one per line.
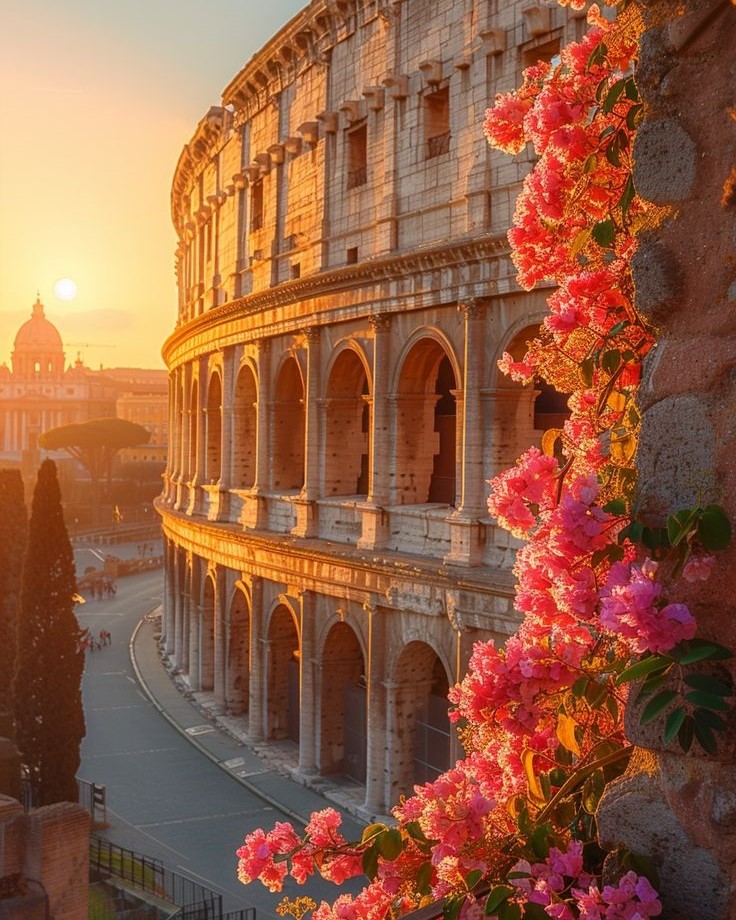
(664,162)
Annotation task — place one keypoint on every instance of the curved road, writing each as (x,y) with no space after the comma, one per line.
(165,798)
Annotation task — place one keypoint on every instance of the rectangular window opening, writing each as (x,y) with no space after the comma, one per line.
(437,122)
(357,153)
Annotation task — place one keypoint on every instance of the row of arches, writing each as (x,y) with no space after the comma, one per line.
(297,669)
(400,444)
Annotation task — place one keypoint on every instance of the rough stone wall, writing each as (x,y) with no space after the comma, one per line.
(49,847)
(681,810)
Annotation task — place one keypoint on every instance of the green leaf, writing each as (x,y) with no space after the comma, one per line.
(414,830)
(632,116)
(680,524)
(595,694)
(370,863)
(612,152)
(699,650)
(509,911)
(534,911)
(673,724)
(656,706)
(709,718)
(652,683)
(472,879)
(390,844)
(714,528)
(653,537)
(604,233)
(612,96)
(651,665)
(424,878)
(612,707)
(586,368)
(626,198)
(451,907)
(497,896)
(539,840)
(705,738)
(597,55)
(611,360)
(373,830)
(709,684)
(707,700)
(685,734)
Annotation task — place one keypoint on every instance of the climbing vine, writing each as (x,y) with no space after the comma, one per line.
(510,830)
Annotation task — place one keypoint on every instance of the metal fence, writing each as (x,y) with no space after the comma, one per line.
(195,902)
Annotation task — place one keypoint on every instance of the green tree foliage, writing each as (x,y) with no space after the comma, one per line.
(13,527)
(48,701)
(95,443)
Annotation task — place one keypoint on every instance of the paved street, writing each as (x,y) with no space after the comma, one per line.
(167,798)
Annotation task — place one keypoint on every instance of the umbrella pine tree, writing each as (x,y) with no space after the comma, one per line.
(48,700)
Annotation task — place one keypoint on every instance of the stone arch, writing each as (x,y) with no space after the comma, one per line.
(213,435)
(522,413)
(289,427)
(207,634)
(347,425)
(238,653)
(426,423)
(343,705)
(282,681)
(421,750)
(245,428)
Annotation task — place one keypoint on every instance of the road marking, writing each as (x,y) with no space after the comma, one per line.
(243,774)
(197,818)
(234,762)
(199,729)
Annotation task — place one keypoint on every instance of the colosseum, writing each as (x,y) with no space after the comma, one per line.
(345,291)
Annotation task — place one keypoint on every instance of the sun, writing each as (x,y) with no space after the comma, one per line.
(65,289)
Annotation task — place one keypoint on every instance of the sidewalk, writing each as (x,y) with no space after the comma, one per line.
(267,770)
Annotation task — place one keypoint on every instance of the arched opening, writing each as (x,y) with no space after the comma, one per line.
(442,484)
(422,748)
(347,428)
(193,430)
(288,420)
(283,676)
(343,725)
(426,414)
(183,625)
(213,461)
(238,656)
(207,637)
(245,428)
(522,413)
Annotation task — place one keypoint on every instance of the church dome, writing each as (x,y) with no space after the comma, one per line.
(38,349)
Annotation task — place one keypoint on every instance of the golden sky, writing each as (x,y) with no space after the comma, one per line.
(97,99)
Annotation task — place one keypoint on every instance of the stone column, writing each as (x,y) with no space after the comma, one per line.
(375,522)
(255,513)
(167,620)
(306,505)
(221,617)
(258,663)
(178,636)
(376,703)
(466,534)
(196,501)
(308,685)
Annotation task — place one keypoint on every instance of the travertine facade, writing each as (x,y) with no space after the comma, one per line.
(345,293)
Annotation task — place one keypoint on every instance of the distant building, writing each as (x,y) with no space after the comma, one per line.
(345,291)
(40,391)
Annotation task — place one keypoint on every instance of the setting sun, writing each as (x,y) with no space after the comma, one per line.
(65,289)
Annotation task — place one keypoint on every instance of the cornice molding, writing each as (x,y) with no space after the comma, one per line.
(374,271)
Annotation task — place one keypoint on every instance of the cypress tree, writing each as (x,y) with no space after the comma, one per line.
(13,527)
(48,700)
